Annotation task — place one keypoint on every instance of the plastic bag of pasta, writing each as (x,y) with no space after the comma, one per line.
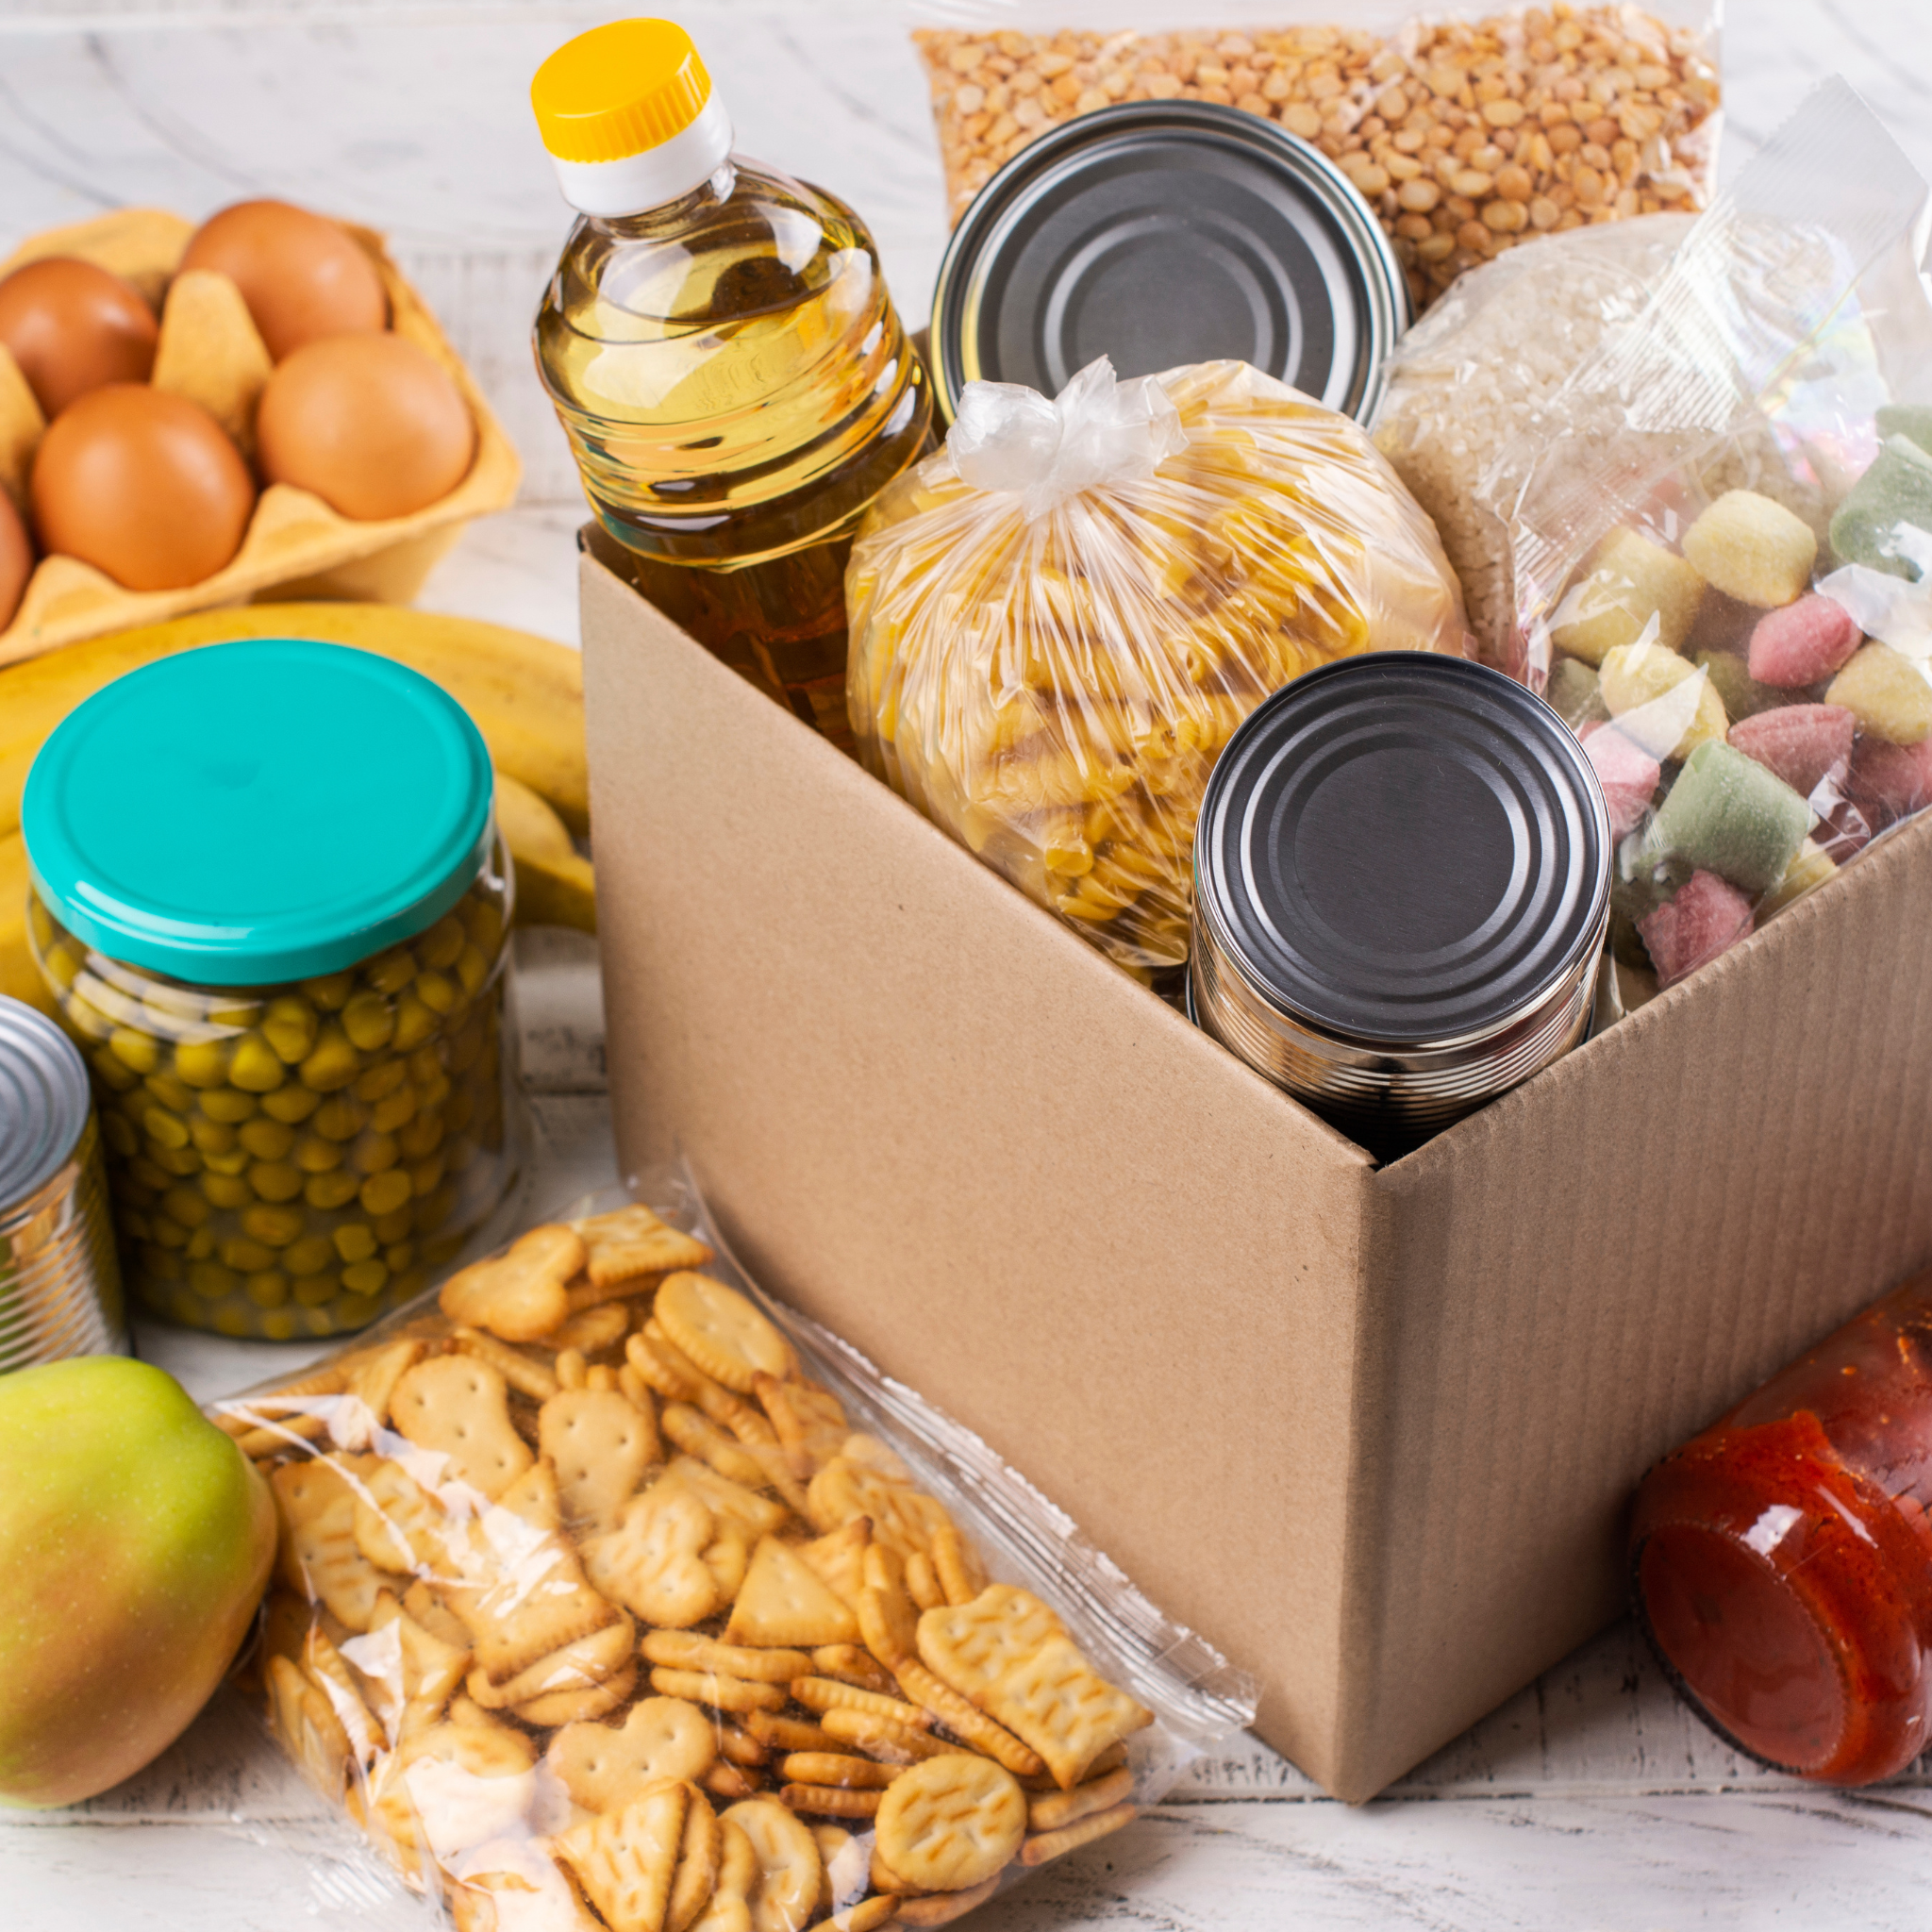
(1060,619)
(612,1594)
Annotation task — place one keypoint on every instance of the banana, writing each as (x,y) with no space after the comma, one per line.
(20,978)
(553,886)
(525,694)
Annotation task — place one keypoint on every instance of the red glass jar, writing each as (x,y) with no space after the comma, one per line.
(1782,1561)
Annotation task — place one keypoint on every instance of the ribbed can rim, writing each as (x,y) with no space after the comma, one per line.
(44,1103)
(993,219)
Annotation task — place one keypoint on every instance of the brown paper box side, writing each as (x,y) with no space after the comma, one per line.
(1372,1433)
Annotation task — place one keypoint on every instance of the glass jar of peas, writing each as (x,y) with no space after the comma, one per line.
(270,900)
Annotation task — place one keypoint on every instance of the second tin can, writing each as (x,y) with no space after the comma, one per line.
(59,1283)
(1402,876)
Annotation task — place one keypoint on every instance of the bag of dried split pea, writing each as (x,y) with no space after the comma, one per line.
(1467,131)
(611,1596)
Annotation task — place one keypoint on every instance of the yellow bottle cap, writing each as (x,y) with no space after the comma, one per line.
(619,90)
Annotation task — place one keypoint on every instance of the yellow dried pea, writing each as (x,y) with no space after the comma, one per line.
(1464,136)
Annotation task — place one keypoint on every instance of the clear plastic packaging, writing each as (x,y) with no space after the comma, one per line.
(1058,620)
(1476,374)
(609,1579)
(1467,131)
(1721,532)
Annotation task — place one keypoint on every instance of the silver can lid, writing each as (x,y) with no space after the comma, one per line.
(43,1102)
(1162,233)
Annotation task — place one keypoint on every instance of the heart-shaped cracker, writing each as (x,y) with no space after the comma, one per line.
(603,1766)
(624,1860)
(451,1785)
(459,1407)
(652,1562)
(784,1891)
(721,1331)
(320,1556)
(1007,1654)
(522,1294)
(632,1241)
(600,1446)
(785,1600)
(951,1822)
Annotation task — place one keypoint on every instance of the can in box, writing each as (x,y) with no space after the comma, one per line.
(269,901)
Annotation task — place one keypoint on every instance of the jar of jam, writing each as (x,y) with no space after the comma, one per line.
(269,901)
(1782,1561)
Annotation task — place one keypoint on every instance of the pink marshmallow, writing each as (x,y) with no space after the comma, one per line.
(1705,918)
(1891,780)
(1801,743)
(1803,643)
(1627,771)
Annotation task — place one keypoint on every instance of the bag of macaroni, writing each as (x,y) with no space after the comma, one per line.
(1058,620)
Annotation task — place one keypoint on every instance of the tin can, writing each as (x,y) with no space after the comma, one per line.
(59,1283)
(1162,233)
(1401,887)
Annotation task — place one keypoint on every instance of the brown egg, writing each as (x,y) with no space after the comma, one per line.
(143,485)
(16,559)
(71,325)
(372,424)
(302,275)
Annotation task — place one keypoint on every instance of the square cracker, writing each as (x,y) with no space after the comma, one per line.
(1007,1653)
(631,1241)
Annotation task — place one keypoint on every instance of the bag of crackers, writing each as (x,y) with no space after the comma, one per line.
(611,1598)
(1058,620)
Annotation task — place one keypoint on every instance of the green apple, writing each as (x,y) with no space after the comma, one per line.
(135,1541)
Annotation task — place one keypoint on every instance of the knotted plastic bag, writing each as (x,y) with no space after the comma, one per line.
(1060,619)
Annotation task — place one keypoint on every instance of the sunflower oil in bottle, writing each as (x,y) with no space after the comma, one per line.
(727,365)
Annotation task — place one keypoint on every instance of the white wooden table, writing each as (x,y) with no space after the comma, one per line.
(1592,1800)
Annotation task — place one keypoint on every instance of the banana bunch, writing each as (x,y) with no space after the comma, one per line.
(524,694)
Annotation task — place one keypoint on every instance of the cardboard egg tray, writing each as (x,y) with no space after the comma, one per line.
(297,547)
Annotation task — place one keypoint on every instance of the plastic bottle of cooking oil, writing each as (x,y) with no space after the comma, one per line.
(721,348)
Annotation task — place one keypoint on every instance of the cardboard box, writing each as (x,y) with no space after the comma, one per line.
(1371,1432)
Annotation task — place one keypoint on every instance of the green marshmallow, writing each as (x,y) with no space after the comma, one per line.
(1574,695)
(1897,489)
(1728,815)
(1910,420)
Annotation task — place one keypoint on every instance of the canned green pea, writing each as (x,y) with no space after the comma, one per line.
(270,900)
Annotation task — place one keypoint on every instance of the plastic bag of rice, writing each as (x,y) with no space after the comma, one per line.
(1482,368)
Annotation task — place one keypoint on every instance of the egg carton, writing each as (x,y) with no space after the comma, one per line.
(297,547)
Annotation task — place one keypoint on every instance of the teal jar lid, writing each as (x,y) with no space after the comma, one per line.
(251,813)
